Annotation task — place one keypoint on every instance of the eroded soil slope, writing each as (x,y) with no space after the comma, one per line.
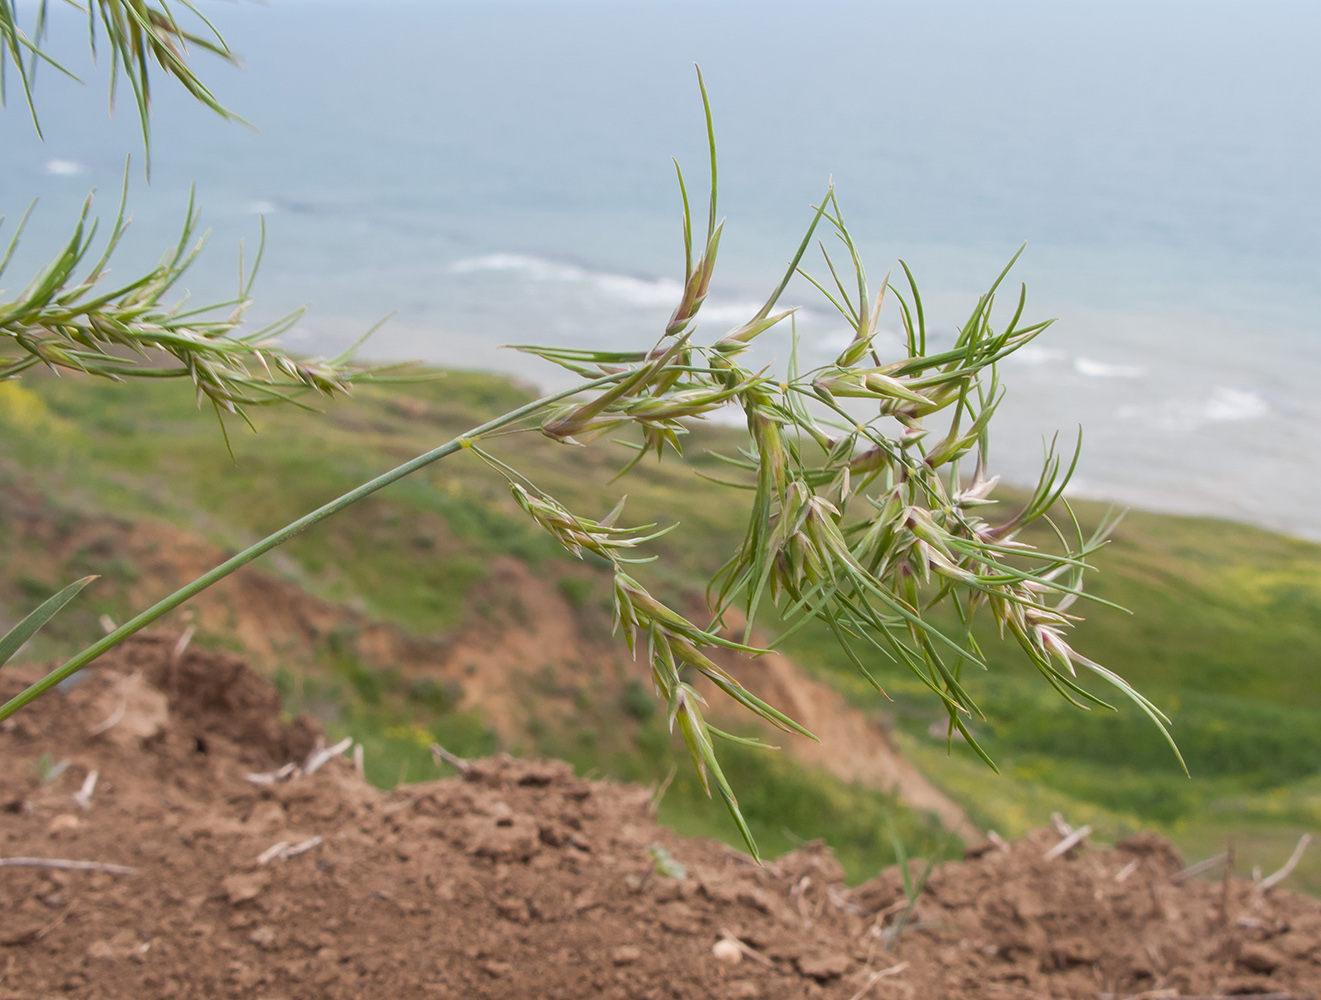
(518,879)
(519,624)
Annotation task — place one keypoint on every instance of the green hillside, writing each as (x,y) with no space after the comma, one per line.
(1225,632)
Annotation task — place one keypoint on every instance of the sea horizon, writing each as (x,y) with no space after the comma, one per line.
(499,172)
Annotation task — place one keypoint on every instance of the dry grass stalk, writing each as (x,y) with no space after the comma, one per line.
(745,950)
(1271,881)
(439,753)
(83,797)
(286,772)
(1202,866)
(1061,826)
(1124,873)
(64,864)
(1176,995)
(876,977)
(284,850)
(318,758)
(271,853)
(180,647)
(1068,843)
(111,720)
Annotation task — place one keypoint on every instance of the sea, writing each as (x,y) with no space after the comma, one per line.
(488,172)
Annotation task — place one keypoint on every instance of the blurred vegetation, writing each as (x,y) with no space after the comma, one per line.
(1225,633)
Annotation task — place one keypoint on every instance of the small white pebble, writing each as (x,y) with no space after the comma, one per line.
(727,950)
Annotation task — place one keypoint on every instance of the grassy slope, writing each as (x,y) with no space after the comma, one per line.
(407,556)
(1226,633)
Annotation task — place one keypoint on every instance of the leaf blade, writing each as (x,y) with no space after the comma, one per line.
(33,623)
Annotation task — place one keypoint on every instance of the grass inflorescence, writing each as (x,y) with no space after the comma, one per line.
(140,33)
(67,320)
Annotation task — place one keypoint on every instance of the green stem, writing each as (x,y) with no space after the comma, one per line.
(283,535)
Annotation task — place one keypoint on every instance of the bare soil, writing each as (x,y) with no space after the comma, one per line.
(519,879)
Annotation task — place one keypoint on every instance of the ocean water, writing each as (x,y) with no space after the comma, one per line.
(494,171)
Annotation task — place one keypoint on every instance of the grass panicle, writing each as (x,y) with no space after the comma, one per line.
(65,318)
(860,516)
(141,34)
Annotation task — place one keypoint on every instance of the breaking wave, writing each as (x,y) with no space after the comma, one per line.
(1224,405)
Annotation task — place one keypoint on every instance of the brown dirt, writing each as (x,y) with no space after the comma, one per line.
(520,880)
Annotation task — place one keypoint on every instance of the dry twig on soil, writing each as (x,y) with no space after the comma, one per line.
(284,850)
(439,753)
(318,758)
(1122,875)
(1068,843)
(64,864)
(1201,866)
(84,794)
(1271,881)
(876,977)
(746,950)
(284,773)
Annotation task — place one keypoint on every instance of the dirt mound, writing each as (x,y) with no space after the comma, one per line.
(212,693)
(520,880)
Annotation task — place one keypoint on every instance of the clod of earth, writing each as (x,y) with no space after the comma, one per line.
(520,879)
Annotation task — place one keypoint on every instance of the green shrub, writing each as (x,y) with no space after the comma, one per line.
(637,701)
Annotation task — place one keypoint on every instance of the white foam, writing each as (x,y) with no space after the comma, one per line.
(1233,405)
(661,293)
(1224,405)
(64,168)
(642,293)
(534,268)
(1100,369)
(1078,488)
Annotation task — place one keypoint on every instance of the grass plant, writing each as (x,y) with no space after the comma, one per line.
(1221,640)
(49,769)
(65,320)
(857,519)
(65,317)
(859,515)
(913,888)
